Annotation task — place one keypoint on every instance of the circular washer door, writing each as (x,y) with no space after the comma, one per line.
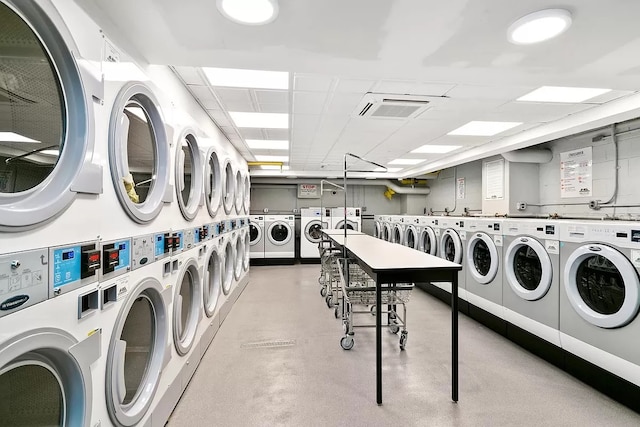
(189,175)
(528,268)
(213,183)
(247,194)
(602,285)
(411,237)
(313,231)
(377,230)
(212,282)
(451,246)
(239,260)
(228,262)
(239,200)
(350,225)
(135,357)
(255,233)
(186,304)
(482,258)
(387,235)
(229,186)
(279,233)
(398,234)
(428,242)
(247,255)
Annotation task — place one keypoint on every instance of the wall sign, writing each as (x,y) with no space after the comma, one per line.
(494,178)
(575,173)
(308,191)
(460,188)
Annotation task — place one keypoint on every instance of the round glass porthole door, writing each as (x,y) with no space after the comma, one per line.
(247,194)
(279,233)
(136,354)
(188,176)
(46,118)
(229,188)
(451,246)
(428,241)
(138,152)
(186,304)
(239,249)
(239,193)
(247,255)
(411,239)
(255,233)
(212,282)
(398,234)
(602,285)
(376,230)
(41,383)
(528,268)
(482,258)
(387,233)
(229,264)
(214,184)
(313,231)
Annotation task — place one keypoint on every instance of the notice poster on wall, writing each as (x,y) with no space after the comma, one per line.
(308,191)
(575,173)
(494,179)
(460,190)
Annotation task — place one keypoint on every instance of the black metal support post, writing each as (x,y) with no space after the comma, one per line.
(454,337)
(378,343)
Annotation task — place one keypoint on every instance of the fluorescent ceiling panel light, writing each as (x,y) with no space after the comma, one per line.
(274,167)
(436,149)
(268,144)
(406,161)
(249,12)
(272,158)
(230,77)
(539,26)
(480,128)
(389,170)
(15,137)
(562,94)
(50,152)
(260,120)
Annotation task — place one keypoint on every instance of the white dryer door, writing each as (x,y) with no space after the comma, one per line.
(350,225)
(411,238)
(602,285)
(279,233)
(377,230)
(313,231)
(387,232)
(255,233)
(398,234)
(451,246)
(482,258)
(528,268)
(428,241)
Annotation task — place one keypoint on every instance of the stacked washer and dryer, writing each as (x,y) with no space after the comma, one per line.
(111,273)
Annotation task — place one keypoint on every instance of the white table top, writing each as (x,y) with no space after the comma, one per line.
(382,255)
(340,232)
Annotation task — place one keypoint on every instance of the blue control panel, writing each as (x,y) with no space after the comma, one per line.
(67,264)
(158,240)
(124,248)
(196,235)
(180,234)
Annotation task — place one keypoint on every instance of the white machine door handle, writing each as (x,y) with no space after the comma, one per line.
(119,355)
(178,314)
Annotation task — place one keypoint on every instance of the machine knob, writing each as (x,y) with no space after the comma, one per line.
(15,264)
(524,240)
(594,248)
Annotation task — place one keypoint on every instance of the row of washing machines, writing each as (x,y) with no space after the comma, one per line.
(574,284)
(273,236)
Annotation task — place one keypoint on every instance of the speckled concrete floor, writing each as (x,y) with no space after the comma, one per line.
(308,380)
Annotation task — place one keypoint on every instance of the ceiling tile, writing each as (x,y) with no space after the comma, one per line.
(219,117)
(245,107)
(190,75)
(532,111)
(341,104)
(506,93)
(277,133)
(312,82)
(230,95)
(273,108)
(308,102)
(252,133)
(354,86)
(412,87)
(272,96)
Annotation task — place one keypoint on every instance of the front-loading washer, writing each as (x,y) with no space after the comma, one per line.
(429,235)
(257,236)
(397,229)
(531,276)
(600,295)
(377,226)
(387,228)
(352,216)
(451,246)
(412,230)
(311,226)
(279,241)
(212,296)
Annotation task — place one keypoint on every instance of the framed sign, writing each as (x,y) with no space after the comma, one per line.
(575,173)
(308,191)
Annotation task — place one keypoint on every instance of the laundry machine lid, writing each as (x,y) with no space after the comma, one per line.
(255,233)
(602,285)
(528,269)
(313,231)
(428,242)
(279,233)
(451,246)
(482,258)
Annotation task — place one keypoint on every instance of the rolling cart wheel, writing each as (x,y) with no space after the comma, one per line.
(394,329)
(403,340)
(336,312)
(329,300)
(373,310)
(347,342)
(323,291)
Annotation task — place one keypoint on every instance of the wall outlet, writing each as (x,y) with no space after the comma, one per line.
(521,206)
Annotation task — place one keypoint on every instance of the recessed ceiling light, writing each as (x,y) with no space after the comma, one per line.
(539,26)
(388,170)
(249,12)
(268,144)
(260,120)
(436,149)
(406,161)
(272,158)
(562,94)
(231,77)
(15,137)
(480,128)
(274,167)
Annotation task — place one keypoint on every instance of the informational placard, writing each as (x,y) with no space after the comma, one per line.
(494,179)
(460,188)
(576,173)
(308,191)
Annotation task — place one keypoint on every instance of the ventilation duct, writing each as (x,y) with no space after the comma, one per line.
(393,106)
(529,155)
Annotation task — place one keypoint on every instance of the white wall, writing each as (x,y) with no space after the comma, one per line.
(443,189)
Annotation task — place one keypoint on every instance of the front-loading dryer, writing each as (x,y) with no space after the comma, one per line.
(451,246)
(429,235)
(279,242)
(531,275)
(600,294)
(311,226)
(349,218)
(387,228)
(397,229)
(377,226)
(412,230)
(483,281)
(256,236)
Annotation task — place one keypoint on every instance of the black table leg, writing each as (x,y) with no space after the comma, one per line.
(454,336)
(378,344)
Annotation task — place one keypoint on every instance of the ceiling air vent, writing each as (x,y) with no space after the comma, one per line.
(392,106)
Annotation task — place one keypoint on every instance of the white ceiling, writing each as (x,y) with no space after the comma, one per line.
(338,50)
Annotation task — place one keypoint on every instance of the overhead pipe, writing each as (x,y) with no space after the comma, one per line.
(529,155)
(358,181)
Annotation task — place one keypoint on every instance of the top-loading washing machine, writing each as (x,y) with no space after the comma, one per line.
(353,218)
(429,235)
(412,230)
(600,294)
(257,236)
(311,226)
(531,275)
(279,241)
(483,262)
(397,229)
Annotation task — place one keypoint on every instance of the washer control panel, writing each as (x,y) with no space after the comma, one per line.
(73,266)
(116,258)
(24,280)
(144,250)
